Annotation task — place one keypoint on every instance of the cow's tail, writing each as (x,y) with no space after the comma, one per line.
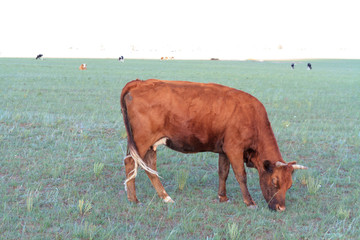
(132,149)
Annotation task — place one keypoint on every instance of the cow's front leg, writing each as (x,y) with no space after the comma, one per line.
(130,185)
(237,163)
(224,166)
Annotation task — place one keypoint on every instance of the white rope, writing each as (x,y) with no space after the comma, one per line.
(138,161)
(272,197)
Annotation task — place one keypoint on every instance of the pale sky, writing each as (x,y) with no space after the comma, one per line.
(185,29)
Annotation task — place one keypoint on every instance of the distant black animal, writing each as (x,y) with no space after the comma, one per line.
(293,65)
(309,67)
(39,56)
(121,59)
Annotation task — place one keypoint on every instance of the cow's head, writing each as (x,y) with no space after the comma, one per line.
(275,180)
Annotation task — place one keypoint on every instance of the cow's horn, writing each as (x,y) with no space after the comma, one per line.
(280,164)
(296,166)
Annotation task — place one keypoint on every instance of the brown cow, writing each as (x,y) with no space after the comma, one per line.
(83,66)
(197,117)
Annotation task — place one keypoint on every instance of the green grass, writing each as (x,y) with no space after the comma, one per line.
(57,123)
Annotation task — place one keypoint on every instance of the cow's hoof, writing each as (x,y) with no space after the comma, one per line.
(168,200)
(252,206)
(223,199)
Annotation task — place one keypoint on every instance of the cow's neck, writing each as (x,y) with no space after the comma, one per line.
(268,149)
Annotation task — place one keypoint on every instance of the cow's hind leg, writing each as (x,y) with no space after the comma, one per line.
(150,160)
(130,185)
(224,166)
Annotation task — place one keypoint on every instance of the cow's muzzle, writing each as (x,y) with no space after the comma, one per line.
(280,208)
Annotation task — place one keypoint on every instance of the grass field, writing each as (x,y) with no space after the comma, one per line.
(62,142)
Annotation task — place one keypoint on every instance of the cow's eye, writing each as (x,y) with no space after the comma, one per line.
(275,182)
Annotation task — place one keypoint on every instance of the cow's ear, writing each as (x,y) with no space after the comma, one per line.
(268,166)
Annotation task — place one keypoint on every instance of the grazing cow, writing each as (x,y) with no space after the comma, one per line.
(197,117)
(83,66)
(121,58)
(39,56)
(292,65)
(167,58)
(309,67)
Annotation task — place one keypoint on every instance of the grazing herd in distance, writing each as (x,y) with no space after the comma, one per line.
(167,58)
(309,66)
(122,59)
(83,66)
